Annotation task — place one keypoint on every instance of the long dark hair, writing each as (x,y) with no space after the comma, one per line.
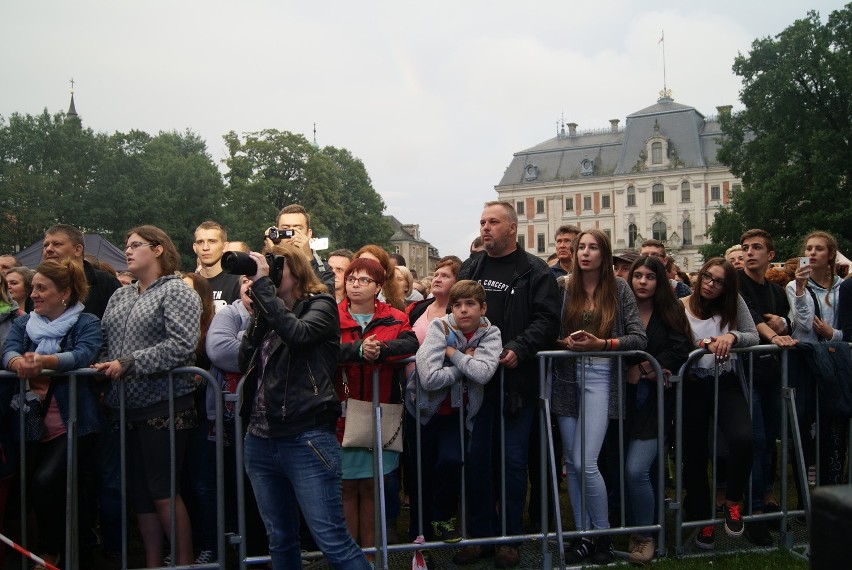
(208,310)
(725,305)
(664,302)
(605,296)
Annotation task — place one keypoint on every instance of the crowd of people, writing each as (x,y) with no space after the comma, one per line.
(308,338)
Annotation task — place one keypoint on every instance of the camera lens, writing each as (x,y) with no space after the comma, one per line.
(238,263)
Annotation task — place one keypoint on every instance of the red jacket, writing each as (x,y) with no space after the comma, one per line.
(390,326)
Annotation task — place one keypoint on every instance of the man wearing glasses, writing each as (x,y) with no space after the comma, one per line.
(655,248)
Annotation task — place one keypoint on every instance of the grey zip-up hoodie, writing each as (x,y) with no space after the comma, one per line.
(438,375)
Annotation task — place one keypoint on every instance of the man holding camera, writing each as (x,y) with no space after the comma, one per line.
(209,245)
(294,227)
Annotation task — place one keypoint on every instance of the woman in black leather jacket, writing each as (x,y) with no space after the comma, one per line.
(291,452)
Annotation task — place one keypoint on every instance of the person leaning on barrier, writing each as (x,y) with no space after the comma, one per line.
(292,457)
(768,306)
(372,335)
(150,328)
(669,342)
(523,303)
(599,313)
(719,320)
(814,300)
(461,345)
(58,336)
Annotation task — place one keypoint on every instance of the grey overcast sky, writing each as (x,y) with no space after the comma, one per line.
(434,97)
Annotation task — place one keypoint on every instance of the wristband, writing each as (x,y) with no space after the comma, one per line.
(773,336)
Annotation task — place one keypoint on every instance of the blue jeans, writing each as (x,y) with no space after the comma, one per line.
(595,423)
(641,454)
(482,458)
(304,471)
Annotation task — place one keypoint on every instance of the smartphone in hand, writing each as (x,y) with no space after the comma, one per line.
(805,262)
(578,335)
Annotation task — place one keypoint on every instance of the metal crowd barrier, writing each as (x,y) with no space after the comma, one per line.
(72,508)
(546,537)
(789,428)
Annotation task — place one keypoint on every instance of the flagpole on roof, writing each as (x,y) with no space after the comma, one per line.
(665,92)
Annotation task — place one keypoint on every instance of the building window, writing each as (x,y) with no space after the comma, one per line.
(656,153)
(539,206)
(631,196)
(608,233)
(519,207)
(540,243)
(687,232)
(569,204)
(658,195)
(658,231)
(735,188)
(587,202)
(522,242)
(605,201)
(632,231)
(684,192)
(715,194)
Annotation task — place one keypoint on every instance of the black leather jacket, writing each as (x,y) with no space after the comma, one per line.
(298,379)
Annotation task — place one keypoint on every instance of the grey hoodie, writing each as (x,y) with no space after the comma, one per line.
(437,374)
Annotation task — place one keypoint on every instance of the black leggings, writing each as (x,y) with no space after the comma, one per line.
(734,422)
(46,476)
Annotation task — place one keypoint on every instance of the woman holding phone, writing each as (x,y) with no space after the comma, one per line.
(814,299)
(601,311)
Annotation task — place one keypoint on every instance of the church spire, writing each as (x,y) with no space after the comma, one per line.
(72,110)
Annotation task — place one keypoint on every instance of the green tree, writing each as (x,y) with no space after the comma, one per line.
(47,165)
(266,171)
(791,143)
(362,221)
(270,169)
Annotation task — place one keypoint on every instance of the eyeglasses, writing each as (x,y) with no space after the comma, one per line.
(360,280)
(717,283)
(137,244)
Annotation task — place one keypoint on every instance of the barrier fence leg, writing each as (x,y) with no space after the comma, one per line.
(789,395)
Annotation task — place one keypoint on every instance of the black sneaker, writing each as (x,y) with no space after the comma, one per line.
(757,533)
(446,531)
(604,553)
(733,521)
(706,538)
(578,551)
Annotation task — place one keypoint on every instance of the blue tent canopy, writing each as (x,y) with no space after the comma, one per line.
(94,245)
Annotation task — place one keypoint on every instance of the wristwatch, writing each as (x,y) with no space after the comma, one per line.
(704,342)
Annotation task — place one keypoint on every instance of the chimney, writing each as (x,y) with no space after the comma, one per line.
(572,129)
(613,125)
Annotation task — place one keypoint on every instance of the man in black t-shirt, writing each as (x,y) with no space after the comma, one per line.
(769,308)
(523,302)
(209,245)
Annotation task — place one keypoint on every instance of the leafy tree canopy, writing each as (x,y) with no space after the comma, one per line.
(791,143)
(270,169)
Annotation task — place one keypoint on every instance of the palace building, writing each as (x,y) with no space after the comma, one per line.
(655,177)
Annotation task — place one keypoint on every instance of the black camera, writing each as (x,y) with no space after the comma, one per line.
(275,235)
(239,263)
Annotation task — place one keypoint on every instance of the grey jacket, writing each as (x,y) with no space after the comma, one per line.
(438,375)
(626,327)
(160,330)
(223,347)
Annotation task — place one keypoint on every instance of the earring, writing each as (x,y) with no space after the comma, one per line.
(64,302)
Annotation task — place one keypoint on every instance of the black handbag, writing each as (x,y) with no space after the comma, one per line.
(34,410)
